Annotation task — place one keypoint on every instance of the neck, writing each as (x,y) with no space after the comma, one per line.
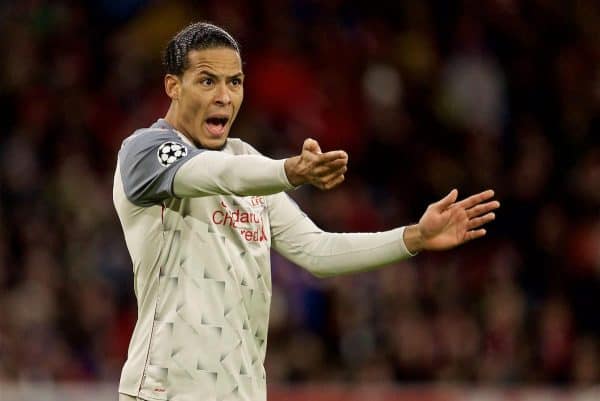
(172,117)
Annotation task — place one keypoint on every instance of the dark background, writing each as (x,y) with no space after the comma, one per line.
(425,96)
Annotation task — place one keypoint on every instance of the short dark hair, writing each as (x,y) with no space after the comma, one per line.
(196,36)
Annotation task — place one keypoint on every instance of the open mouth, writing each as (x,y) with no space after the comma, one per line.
(216,125)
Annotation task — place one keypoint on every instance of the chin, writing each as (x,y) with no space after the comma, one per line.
(214,144)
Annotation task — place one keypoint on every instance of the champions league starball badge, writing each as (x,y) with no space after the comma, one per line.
(170,152)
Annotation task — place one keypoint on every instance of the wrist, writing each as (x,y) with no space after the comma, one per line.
(413,240)
(290,166)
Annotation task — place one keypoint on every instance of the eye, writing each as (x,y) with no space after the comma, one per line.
(207,81)
(236,81)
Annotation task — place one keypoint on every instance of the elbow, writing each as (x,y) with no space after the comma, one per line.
(318,273)
(316,269)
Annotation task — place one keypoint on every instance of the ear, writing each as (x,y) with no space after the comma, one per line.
(172,86)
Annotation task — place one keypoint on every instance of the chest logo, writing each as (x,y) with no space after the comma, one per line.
(169,152)
(249,224)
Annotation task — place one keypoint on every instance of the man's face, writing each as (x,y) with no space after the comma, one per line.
(210,95)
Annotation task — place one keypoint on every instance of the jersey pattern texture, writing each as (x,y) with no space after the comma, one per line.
(202,278)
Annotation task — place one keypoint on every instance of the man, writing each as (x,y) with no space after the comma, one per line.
(200,214)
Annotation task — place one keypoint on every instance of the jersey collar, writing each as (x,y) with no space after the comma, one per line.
(161,123)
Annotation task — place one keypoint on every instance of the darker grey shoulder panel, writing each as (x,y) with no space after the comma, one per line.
(148,161)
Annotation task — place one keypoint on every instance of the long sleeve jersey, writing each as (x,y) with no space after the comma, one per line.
(199,225)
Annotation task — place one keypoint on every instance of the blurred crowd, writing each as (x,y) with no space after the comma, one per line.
(425,96)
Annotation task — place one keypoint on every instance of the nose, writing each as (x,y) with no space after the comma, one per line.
(222,97)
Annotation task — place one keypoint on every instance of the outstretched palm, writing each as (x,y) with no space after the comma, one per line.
(447,223)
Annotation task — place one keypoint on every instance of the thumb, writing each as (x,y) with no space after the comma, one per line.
(311,145)
(448,200)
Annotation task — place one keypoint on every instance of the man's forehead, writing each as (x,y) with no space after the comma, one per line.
(220,60)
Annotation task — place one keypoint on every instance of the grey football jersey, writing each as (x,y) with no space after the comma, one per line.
(199,226)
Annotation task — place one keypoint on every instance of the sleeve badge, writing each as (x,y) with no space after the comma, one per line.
(169,152)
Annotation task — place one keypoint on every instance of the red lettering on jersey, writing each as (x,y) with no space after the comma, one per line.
(263,235)
(217,217)
(257,201)
(232,219)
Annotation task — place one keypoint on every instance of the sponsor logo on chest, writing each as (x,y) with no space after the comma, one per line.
(248,221)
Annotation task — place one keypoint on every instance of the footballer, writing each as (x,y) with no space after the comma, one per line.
(201,212)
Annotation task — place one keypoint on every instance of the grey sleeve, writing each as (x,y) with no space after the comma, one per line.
(148,161)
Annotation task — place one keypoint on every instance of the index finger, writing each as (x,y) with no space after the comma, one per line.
(331,156)
(473,200)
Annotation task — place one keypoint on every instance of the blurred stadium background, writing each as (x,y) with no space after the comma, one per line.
(424,95)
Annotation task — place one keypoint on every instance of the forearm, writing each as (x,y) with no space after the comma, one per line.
(328,254)
(214,173)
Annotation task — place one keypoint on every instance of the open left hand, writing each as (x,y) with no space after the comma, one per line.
(447,223)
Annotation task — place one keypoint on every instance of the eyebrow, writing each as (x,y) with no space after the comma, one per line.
(214,76)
